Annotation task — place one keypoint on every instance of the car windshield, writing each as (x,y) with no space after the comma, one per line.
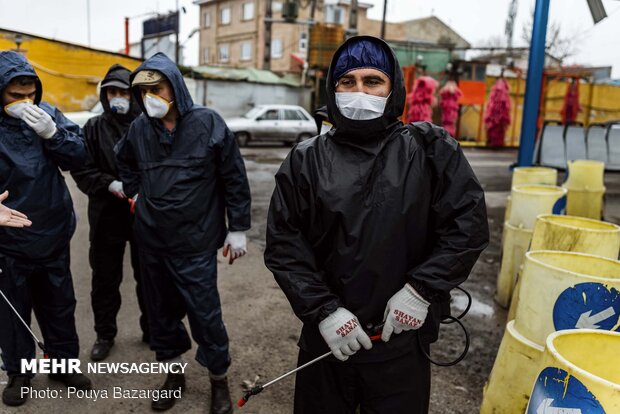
(251,114)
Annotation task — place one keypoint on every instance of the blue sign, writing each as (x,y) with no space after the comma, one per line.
(557,392)
(587,305)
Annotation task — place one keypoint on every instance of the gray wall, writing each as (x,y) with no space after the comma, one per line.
(232,99)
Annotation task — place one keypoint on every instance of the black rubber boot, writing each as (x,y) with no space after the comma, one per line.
(77,381)
(101,349)
(173,382)
(12,394)
(220,397)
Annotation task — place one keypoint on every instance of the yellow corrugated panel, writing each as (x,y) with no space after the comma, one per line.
(69,73)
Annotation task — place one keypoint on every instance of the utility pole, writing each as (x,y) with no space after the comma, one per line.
(176,35)
(383,20)
(268,23)
(127,36)
(535,67)
(88,19)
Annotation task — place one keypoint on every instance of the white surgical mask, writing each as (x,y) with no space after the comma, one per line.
(360,105)
(16,109)
(156,107)
(119,105)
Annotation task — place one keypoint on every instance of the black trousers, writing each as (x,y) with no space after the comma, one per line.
(396,386)
(46,288)
(179,286)
(106,261)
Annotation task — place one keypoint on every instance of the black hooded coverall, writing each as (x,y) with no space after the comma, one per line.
(188,180)
(109,217)
(34,261)
(356,214)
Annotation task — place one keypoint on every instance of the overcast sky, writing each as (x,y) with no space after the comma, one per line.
(475,20)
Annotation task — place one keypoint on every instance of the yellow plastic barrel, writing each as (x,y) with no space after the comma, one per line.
(529,201)
(586,188)
(567,290)
(514,245)
(569,233)
(579,374)
(530,175)
(576,234)
(514,371)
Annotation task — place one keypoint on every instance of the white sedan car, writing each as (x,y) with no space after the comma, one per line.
(271,123)
(81,117)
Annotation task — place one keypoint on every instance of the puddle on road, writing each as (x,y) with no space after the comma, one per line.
(459,303)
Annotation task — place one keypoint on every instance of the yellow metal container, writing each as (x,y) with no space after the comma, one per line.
(567,290)
(324,40)
(579,374)
(576,234)
(529,201)
(515,242)
(586,189)
(514,371)
(531,175)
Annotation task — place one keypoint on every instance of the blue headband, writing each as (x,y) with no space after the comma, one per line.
(363,54)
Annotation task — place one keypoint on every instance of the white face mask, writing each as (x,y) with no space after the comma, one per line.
(156,107)
(16,109)
(360,106)
(119,105)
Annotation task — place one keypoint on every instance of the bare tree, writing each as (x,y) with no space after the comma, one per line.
(558,43)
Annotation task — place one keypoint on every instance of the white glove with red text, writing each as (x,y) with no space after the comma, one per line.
(116,188)
(40,121)
(343,334)
(406,310)
(236,245)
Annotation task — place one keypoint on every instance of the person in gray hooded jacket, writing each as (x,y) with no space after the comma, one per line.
(370,225)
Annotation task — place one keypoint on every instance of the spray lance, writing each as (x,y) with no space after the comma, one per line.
(375,334)
(39,343)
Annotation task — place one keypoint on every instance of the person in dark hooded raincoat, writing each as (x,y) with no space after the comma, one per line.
(371,224)
(183,163)
(36,142)
(108,209)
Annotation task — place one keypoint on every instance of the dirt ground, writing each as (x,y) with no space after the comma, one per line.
(263,331)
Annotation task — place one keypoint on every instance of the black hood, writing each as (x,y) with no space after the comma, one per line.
(349,129)
(12,65)
(120,74)
(160,62)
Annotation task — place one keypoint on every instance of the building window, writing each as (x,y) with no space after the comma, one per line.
(206,56)
(334,14)
(207,20)
(303,42)
(276,7)
(248,11)
(276,48)
(224,55)
(225,15)
(246,51)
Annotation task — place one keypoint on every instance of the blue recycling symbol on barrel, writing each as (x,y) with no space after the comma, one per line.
(587,306)
(557,392)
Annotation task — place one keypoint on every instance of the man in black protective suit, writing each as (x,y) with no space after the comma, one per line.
(184,164)
(108,209)
(36,141)
(371,223)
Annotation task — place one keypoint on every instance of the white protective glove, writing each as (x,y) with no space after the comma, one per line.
(39,121)
(343,334)
(236,245)
(406,310)
(116,188)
